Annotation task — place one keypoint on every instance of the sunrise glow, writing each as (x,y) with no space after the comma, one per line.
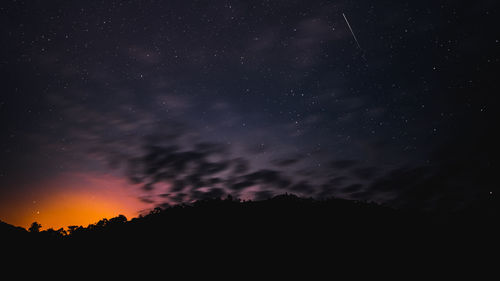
(76,199)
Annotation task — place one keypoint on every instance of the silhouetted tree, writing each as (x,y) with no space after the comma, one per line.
(72,229)
(35,227)
(51,233)
(102,223)
(62,232)
(117,220)
(155,211)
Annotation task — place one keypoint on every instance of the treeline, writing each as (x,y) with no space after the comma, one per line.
(225,224)
(285,228)
(286,208)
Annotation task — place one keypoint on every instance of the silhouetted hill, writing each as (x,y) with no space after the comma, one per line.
(10,231)
(274,229)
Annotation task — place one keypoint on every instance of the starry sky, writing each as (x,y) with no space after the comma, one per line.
(116,107)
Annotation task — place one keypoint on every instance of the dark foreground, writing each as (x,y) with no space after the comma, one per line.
(285,229)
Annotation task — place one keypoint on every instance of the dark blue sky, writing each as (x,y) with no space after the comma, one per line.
(273,96)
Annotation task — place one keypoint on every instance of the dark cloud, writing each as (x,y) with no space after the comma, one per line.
(352,188)
(303,187)
(240,166)
(179,197)
(189,172)
(211,193)
(268,177)
(365,173)
(286,162)
(263,195)
(147,200)
(240,185)
(343,164)
(449,181)
(337,181)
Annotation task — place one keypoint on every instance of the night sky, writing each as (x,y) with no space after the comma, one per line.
(116,107)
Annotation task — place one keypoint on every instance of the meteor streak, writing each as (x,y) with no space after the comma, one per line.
(352,32)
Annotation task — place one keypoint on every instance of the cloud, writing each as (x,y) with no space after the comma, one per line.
(343,164)
(365,173)
(187,171)
(352,188)
(174,103)
(286,162)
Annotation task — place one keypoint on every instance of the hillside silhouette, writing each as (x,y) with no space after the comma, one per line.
(285,235)
(278,223)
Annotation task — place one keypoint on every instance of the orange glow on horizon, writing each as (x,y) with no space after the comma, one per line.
(77,209)
(75,199)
